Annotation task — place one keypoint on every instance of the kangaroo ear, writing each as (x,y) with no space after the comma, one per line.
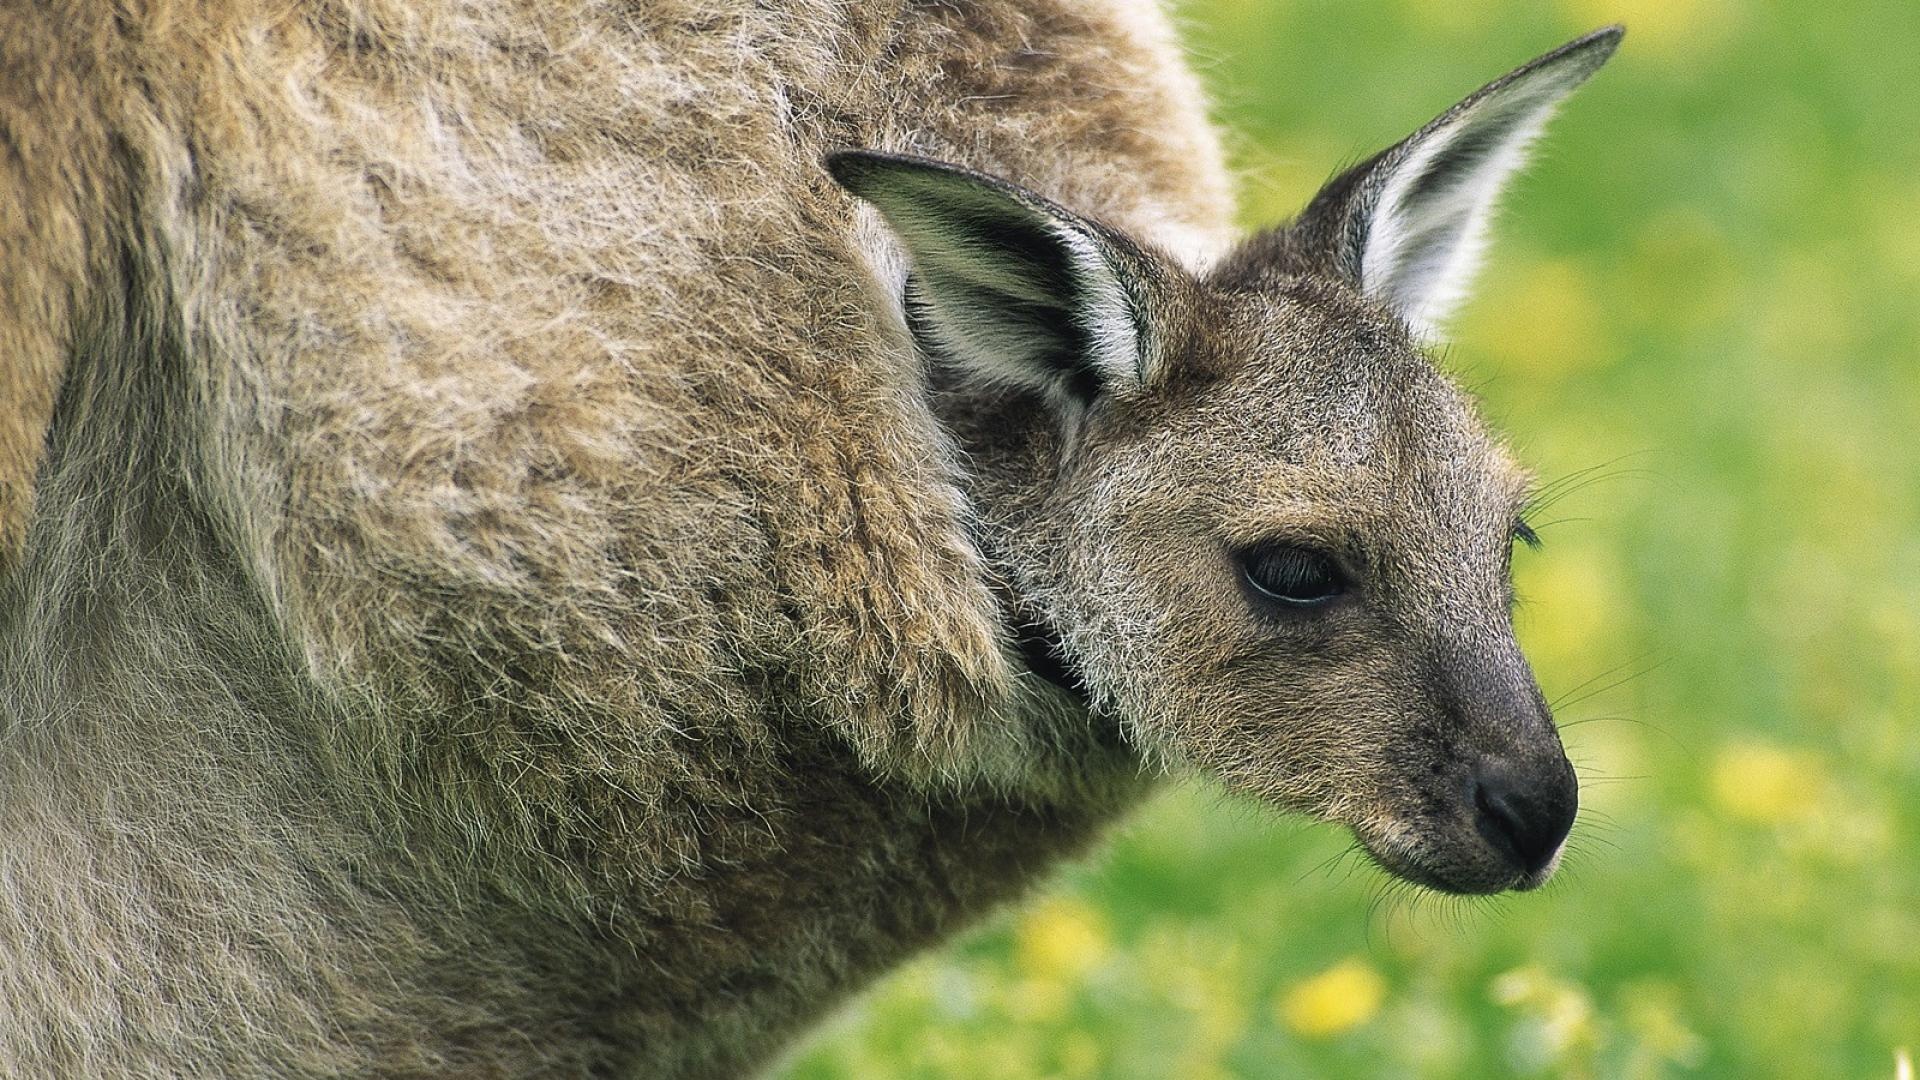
(1010,286)
(1409,225)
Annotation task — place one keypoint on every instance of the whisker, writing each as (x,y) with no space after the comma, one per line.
(1575,697)
(1614,718)
(1561,487)
(1329,864)
(1556,522)
(1679,742)
(1585,839)
(1591,679)
(1594,818)
(1390,896)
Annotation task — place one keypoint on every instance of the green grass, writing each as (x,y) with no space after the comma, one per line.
(1704,291)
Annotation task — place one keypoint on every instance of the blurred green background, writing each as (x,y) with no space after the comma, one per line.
(1701,316)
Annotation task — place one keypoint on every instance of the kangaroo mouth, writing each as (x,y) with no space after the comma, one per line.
(1457,861)
(1439,877)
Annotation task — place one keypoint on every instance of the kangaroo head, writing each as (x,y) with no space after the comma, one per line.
(1254,524)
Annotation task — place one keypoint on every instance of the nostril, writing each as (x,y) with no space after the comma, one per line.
(1498,821)
(1527,823)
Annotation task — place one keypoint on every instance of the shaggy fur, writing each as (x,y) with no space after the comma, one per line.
(488,587)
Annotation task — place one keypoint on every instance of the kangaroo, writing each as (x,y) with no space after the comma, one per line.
(557,539)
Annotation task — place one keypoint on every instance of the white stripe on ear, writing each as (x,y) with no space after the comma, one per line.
(1109,314)
(1008,286)
(1417,223)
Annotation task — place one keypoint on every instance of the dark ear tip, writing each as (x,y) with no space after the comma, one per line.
(1572,62)
(849,167)
(857,169)
(1598,45)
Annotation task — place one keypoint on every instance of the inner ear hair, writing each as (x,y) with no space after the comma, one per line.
(1008,286)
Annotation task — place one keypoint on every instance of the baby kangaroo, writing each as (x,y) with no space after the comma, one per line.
(1237,507)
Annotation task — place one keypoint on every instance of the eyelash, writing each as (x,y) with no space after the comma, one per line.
(1524,533)
(1293,576)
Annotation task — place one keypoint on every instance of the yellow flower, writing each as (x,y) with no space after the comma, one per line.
(1337,1000)
(1767,784)
(1062,938)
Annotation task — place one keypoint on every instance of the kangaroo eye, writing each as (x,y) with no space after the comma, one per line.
(1295,576)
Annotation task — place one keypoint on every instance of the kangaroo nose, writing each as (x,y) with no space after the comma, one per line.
(1526,813)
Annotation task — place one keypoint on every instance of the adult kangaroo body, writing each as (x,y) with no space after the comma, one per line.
(496,583)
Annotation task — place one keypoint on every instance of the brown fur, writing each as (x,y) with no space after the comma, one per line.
(488,589)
